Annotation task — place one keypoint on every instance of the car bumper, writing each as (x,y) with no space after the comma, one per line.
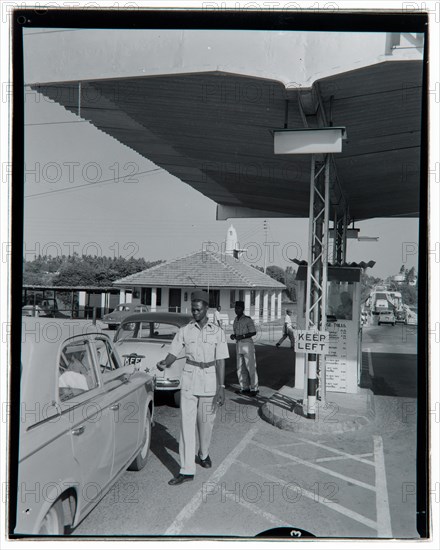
(166,384)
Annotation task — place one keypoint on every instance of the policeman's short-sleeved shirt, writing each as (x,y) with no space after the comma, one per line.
(202,345)
(243,325)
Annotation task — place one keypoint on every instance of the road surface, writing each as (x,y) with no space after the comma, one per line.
(355,484)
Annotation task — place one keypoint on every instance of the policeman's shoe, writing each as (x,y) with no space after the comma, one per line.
(180,478)
(243,392)
(253,393)
(205,462)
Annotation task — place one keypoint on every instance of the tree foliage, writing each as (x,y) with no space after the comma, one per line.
(78,270)
(368,282)
(285,276)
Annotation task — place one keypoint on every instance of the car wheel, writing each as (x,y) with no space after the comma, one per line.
(53,521)
(142,457)
(176,397)
(378,324)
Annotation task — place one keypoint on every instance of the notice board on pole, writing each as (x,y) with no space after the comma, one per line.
(342,357)
(312,341)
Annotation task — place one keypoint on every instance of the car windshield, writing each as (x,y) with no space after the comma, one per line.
(122,308)
(146,331)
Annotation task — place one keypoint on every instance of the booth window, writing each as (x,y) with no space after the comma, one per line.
(340,300)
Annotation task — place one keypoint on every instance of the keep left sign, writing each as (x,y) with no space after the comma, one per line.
(312,341)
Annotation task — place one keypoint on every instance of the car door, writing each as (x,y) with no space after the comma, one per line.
(83,399)
(122,393)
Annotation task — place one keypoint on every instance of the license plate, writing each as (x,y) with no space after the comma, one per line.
(131,360)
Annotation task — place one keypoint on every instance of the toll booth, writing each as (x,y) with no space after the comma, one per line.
(343,363)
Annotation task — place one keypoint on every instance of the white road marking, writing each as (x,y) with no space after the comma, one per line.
(188,511)
(317,498)
(288,444)
(382,504)
(316,467)
(370,362)
(258,511)
(354,457)
(337,451)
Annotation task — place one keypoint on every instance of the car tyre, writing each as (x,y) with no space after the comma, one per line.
(378,324)
(142,456)
(53,521)
(176,398)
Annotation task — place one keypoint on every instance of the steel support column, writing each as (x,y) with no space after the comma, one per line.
(340,224)
(316,293)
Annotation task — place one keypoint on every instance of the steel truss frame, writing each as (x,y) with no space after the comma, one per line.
(325,191)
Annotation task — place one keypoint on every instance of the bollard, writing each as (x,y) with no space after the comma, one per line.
(311,386)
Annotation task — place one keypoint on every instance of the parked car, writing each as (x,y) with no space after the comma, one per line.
(85,419)
(145,339)
(386,317)
(121,311)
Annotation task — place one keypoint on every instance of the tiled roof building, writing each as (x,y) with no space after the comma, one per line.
(168,286)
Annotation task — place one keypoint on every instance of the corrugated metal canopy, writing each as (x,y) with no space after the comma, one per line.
(213,131)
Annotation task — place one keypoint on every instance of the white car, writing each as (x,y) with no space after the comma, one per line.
(145,339)
(386,317)
(85,419)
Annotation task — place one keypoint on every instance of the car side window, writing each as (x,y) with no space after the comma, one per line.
(76,374)
(127,331)
(106,357)
(161,331)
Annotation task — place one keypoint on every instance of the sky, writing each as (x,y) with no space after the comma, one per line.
(75,203)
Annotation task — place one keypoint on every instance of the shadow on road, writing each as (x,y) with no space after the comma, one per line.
(162,440)
(275,366)
(393,374)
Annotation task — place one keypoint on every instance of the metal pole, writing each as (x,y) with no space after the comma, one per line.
(344,236)
(316,298)
(265,245)
(322,359)
(309,279)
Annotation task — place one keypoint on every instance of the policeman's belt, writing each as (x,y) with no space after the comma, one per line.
(200,364)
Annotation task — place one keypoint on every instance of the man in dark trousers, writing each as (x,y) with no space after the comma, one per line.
(202,386)
(244,329)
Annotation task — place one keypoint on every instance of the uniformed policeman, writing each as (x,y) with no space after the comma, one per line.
(244,329)
(202,385)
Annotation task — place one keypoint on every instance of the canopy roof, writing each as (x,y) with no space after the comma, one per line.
(214,131)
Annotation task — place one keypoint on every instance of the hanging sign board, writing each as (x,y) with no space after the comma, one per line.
(312,341)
